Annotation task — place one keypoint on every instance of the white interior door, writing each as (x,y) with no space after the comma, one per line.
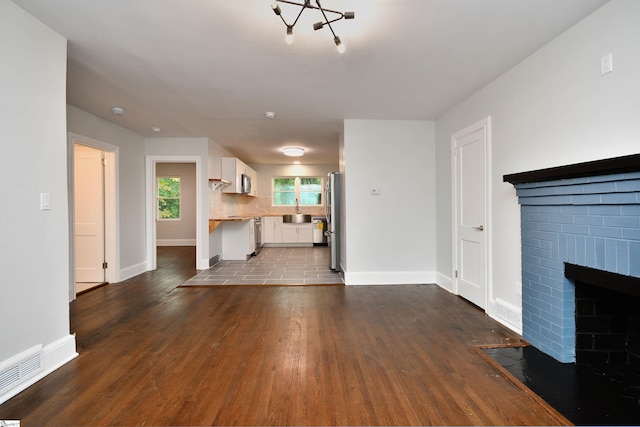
(89,214)
(471,250)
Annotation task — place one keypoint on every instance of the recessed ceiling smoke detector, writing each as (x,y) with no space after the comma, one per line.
(118,111)
(293,151)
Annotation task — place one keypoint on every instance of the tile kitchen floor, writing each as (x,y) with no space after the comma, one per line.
(273,266)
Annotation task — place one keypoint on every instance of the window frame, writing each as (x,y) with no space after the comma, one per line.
(158,198)
(297,191)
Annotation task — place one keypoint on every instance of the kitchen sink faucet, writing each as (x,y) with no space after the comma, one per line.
(297,207)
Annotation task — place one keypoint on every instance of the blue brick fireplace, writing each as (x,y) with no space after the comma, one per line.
(587,215)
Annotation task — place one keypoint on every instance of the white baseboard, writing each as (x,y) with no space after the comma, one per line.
(132,271)
(507,314)
(390,278)
(445,282)
(54,355)
(175,242)
(202,264)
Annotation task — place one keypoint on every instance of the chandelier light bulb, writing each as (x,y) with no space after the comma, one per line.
(339,45)
(289,36)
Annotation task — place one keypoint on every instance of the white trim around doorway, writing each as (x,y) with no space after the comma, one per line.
(112,197)
(151,161)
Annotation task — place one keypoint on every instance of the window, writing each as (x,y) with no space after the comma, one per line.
(307,190)
(168,198)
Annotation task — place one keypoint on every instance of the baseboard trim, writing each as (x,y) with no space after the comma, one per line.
(132,271)
(445,282)
(390,278)
(54,355)
(507,314)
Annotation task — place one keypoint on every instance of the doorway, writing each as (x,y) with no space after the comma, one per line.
(92,213)
(471,217)
(202,249)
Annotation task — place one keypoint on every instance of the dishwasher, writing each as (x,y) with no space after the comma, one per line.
(319,227)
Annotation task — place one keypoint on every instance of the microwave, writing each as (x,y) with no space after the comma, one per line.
(246,184)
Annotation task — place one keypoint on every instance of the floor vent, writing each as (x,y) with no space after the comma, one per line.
(27,365)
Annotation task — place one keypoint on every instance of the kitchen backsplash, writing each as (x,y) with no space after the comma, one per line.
(222,205)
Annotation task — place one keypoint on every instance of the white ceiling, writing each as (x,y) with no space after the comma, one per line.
(212,68)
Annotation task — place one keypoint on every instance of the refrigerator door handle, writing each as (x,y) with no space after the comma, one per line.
(326,200)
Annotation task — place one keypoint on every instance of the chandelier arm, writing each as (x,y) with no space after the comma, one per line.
(285,22)
(304,6)
(326,19)
(308,5)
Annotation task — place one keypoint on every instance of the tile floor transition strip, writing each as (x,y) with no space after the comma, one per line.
(272,267)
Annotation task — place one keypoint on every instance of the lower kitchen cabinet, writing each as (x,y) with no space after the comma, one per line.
(276,233)
(297,233)
(272,229)
(238,242)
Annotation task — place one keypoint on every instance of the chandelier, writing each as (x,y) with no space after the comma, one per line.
(306,4)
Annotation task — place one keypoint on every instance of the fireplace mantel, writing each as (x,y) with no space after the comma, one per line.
(611,166)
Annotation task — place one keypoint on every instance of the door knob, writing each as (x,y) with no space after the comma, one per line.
(479,228)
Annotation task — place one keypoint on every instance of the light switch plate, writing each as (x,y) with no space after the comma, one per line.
(45,201)
(606,64)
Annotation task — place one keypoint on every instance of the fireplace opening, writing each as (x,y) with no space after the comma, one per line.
(607,326)
(607,316)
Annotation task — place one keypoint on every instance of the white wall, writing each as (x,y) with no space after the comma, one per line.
(34,307)
(552,109)
(171,149)
(390,237)
(131,185)
(181,232)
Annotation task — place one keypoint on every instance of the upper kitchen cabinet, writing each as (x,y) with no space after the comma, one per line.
(243,179)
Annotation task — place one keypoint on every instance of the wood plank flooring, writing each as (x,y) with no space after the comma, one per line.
(155,354)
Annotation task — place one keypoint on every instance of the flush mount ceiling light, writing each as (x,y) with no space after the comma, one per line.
(118,111)
(306,4)
(293,151)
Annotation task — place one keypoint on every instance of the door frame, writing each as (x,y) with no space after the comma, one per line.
(151,161)
(111,203)
(485,126)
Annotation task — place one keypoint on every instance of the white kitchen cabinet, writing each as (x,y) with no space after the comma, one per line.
(272,229)
(297,233)
(238,242)
(232,169)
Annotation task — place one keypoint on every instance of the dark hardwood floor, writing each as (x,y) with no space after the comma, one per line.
(155,354)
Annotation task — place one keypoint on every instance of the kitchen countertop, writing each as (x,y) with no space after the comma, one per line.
(215,222)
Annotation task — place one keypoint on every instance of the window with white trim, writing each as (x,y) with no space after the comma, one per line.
(168,206)
(307,190)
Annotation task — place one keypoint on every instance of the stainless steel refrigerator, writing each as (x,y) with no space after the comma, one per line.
(332,197)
